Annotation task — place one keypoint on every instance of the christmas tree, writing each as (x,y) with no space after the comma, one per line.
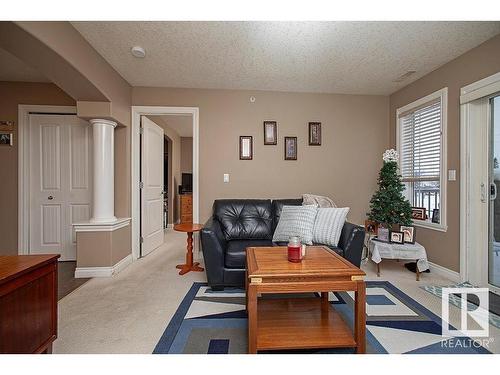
(388,205)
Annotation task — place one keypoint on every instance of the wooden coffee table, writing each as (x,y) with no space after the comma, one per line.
(302,323)
(189,228)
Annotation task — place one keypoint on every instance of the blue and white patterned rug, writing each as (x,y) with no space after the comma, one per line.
(209,322)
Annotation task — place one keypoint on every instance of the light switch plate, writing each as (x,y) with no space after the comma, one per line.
(226,178)
(452,175)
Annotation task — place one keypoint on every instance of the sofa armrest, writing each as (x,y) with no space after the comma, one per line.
(351,242)
(213,245)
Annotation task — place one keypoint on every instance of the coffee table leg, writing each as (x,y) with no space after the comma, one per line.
(324,300)
(189,265)
(252,318)
(360,317)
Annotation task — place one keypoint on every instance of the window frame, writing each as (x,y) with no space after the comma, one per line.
(443,186)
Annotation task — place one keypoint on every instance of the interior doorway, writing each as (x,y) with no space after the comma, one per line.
(179,173)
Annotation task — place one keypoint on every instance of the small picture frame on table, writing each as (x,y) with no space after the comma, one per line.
(290,148)
(418,213)
(397,237)
(408,233)
(435,216)
(371,227)
(246,147)
(270,133)
(383,234)
(315,134)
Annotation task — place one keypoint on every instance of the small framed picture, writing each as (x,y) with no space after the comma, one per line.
(270,133)
(408,233)
(418,213)
(371,227)
(435,215)
(315,134)
(397,237)
(290,148)
(383,234)
(246,147)
(6,126)
(6,139)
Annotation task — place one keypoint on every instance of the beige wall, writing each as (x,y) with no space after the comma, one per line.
(478,63)
(175,155)
(11,95)
(186,154)
(345,167)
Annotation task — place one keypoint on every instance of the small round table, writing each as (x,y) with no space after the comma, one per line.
(189,265)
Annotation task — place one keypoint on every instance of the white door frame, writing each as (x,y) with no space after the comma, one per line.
(137,112)
(23,167)
(472,109)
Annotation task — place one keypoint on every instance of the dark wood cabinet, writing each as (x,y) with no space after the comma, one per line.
(28,303)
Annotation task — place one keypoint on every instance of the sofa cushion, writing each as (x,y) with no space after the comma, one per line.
(296,221)
(244,219)
(278,207)
(236,251)
(328,225)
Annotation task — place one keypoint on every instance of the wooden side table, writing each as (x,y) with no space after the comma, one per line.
(189,228)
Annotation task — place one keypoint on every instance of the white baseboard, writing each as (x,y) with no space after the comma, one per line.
(87,272)
(444,272)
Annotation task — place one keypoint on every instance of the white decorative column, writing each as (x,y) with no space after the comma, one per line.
(103,205)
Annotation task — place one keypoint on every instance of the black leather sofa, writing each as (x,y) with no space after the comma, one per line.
(240,223)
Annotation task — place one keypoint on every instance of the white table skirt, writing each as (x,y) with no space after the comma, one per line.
(383,250)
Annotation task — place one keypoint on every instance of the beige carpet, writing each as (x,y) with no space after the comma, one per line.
(128,312)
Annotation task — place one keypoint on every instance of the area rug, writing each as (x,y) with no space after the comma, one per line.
(456,300)
(209,322)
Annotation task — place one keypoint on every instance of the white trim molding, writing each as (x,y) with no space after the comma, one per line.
(436,269)
(480,89)
(443,180)
(23,141)
(137,112)
(87,272)
(102,227)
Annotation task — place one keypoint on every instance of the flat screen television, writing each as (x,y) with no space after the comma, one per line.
(187,183)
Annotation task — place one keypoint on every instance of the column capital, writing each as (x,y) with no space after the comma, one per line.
(104,122)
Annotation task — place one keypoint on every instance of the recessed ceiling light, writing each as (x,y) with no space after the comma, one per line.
(138,51)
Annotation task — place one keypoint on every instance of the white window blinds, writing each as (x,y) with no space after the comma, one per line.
(421,143)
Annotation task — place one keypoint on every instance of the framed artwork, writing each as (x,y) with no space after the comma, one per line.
(371,227)
(246,147)
(383,234)
(397,237)
(6,139)
(6,126)
(270,133)
(408,233)
(418,213)
(435,215)
(290,148)
(315,134)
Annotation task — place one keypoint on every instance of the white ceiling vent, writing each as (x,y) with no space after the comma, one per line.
(404,76)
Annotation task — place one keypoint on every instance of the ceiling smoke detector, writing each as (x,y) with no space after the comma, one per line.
(402,77)
(138,51)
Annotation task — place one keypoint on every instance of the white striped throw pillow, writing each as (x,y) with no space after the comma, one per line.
(296,221)
(328,225)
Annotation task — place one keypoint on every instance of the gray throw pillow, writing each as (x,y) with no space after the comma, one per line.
(296,221)
(328,225)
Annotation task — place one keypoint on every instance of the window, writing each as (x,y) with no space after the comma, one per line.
(421,134)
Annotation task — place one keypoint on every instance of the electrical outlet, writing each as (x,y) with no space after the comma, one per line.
(452,175)
(226,178)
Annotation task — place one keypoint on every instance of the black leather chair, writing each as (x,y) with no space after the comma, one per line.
(240,223)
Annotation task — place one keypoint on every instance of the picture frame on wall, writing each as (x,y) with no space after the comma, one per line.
(246,147)
(290,148)
(270,133)
(315,134)
(408,233)
(6,139)
(6,126)
(418,213)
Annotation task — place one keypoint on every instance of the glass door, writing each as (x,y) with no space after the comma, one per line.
(494,199)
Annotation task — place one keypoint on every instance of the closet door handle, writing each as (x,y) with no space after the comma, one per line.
(483,193)
(493,191)
(50,197)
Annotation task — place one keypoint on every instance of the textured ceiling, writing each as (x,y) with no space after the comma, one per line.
(330,57)
(15,70)
(182,124)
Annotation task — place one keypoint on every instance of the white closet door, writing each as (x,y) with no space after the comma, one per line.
(60,182)
(152,186)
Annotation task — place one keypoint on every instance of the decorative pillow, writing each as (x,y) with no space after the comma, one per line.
(296,221)
(320,201)
(328,225)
